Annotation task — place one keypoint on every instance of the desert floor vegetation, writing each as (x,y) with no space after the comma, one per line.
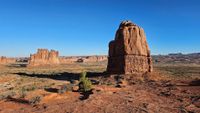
(49,88)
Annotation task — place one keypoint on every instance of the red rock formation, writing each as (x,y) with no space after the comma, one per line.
(68,60)
(5,60)
(94,58)
(74,59)
(129,52)
(44,57)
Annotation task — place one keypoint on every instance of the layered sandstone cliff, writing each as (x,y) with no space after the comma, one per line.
(94,58)
(5,60)
(129,52)
(68,60)
(86,59)
(44,57)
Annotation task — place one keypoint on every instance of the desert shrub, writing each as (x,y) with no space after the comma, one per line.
(35,100)
(64,88)
(22,92)
(30,88)
(7,95)
(85,84)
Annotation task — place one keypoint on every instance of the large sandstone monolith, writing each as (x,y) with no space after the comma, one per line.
(129,52)
(44,57)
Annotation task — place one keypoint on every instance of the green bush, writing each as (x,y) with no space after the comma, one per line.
(85,84)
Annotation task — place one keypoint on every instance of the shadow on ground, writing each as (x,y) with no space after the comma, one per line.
(52,90)
(64,76)
(18,65)
(85,95)
(18,100)
(195,83)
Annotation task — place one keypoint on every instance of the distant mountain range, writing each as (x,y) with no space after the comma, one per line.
(177,58)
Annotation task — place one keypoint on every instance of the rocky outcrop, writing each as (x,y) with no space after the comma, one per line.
(44,57)
(68,60)
(90,59)
(94,58)
(5,60)
(129,52)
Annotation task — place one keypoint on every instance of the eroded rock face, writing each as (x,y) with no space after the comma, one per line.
(44,57)
(68,60)
(94,58)
(5,60)
(86,59)
(129,52)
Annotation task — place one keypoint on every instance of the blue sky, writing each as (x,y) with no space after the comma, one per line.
(85,27)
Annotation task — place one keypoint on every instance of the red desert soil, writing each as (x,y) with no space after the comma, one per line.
(148,96)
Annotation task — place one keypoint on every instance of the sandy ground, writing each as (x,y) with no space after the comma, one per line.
(150,93)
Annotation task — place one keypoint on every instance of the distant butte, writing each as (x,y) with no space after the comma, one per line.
(5,60)
(44,57)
